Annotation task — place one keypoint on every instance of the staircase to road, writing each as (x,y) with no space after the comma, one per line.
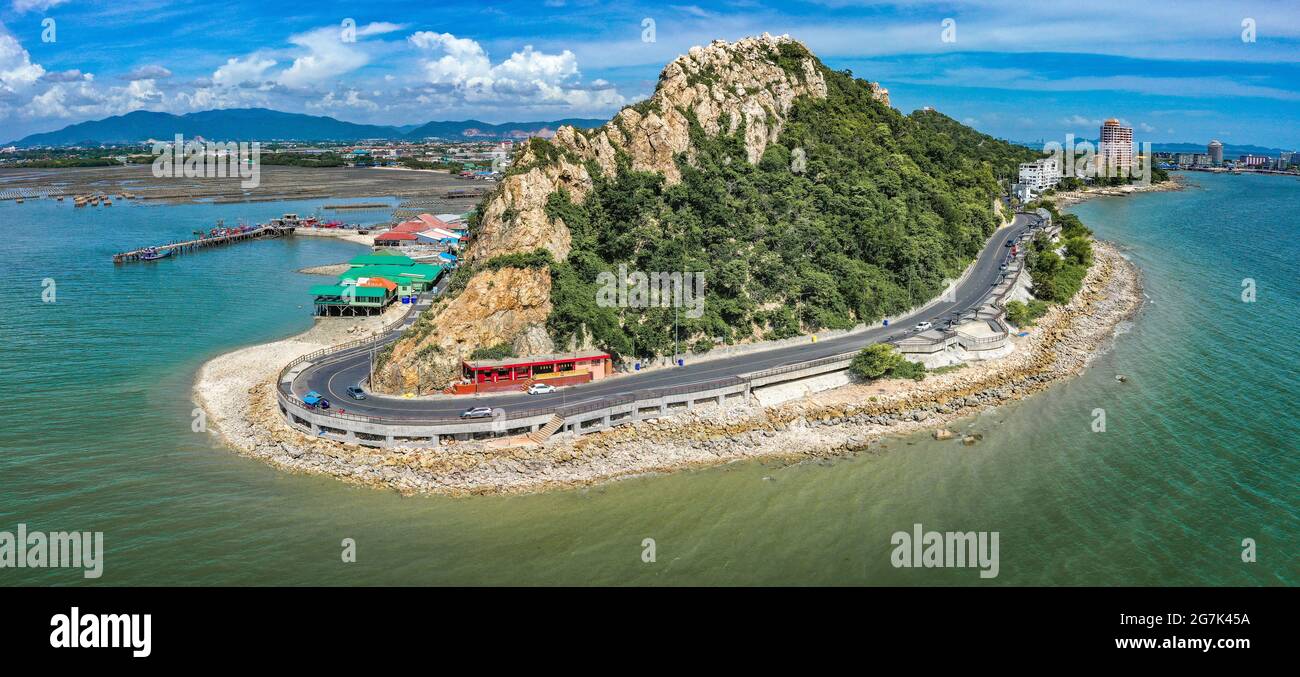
(543,433)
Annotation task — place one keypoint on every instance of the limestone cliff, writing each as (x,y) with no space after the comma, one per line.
(754,80)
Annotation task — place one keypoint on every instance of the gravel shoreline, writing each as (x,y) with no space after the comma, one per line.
(1066,198)
(239,397)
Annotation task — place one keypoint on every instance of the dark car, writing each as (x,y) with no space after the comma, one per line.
(356,393)
(477,412)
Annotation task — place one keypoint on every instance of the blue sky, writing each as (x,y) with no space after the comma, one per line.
(1025,70)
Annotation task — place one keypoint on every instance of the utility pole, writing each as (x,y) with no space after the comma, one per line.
(681,241)
(676,336)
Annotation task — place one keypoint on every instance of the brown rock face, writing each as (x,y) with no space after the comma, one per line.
(493,306)
(720,84)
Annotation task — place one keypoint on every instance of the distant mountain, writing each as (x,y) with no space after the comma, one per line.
(261,124)
(229,124)
(474,129)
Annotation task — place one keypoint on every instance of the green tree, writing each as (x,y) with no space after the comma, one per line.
(880,359)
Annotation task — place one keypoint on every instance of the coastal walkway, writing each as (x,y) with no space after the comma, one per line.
(203,243)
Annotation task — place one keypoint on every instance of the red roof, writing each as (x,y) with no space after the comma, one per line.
(537,360)
(394,235)
(431,220)
(410,227)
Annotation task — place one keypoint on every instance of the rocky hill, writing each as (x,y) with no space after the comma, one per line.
(800,195)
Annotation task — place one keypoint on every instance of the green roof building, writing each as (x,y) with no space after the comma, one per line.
(339,299)
(417,277)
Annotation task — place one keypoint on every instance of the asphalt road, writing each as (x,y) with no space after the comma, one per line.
(332,375)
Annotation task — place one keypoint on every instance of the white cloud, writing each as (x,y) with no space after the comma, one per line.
(22,6)
(529,78)
(17,72)
(73,75)
(1080,121)
(327,57)
(237,71)
(148,72)
(465,62)
(349,100)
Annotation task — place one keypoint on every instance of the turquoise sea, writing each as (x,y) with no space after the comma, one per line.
(1201,450)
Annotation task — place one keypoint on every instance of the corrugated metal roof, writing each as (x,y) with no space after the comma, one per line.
(380,282)
(347,290)
(400,274)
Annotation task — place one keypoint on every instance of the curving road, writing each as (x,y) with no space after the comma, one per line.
(334,373)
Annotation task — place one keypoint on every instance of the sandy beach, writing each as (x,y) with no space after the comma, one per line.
(237,390)
(224,383)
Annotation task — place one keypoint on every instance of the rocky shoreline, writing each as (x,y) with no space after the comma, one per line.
(1066,198)
(843,420)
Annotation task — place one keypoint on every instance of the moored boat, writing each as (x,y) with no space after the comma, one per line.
(153,254)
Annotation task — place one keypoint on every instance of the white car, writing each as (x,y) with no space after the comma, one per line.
(924,326)
(540,389)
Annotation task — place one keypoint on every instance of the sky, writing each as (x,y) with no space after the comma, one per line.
(1028,70)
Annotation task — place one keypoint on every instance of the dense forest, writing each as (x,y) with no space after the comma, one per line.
(856,213)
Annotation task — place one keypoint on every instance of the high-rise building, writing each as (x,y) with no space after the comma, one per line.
(1215,151)
(1116,148)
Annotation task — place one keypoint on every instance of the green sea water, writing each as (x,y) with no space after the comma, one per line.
(1200,449)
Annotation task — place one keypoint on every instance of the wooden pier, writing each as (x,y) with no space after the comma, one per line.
(201,243)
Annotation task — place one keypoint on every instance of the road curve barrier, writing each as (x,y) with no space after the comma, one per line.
(587,417)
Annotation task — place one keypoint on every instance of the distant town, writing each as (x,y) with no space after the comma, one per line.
(466,159)
(1115,161)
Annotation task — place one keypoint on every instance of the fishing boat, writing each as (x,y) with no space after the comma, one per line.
(153,254)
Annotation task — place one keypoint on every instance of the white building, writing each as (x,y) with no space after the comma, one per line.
(1040,175)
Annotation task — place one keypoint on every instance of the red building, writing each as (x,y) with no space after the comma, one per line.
(516,373)
(410,227)
(393,239)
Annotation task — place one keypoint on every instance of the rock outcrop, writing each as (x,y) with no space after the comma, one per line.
(754,80)
(493,307)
